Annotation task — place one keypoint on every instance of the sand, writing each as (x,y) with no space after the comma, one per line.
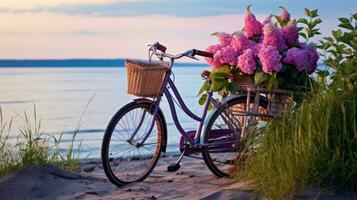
(192,181)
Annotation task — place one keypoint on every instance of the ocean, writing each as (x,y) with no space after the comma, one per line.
(61,94)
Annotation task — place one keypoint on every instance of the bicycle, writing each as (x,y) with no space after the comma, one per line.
(138,132)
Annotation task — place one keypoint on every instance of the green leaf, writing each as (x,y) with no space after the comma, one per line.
(337,34)
(202,99)
(232,87)
(260,77)
(344,20)
(223,68)
(346,26)
(220,75)
(273,82)
(303,35)
(314,13)
(303,20)
(205,87)
(329,39)
(322,73)
(345,23)
(218,86)
(317,21)
(307,12)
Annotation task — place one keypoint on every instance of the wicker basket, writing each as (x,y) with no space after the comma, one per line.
(145,78)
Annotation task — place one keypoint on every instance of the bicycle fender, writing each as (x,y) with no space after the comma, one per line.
(214,110)
(161,114)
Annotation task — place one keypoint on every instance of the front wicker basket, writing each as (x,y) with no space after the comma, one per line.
(145,78)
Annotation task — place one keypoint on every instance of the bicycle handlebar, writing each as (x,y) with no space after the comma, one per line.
(190,53)
(202,53)
(160,47)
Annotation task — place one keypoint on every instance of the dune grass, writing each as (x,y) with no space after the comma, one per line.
(33,147)
(314,146)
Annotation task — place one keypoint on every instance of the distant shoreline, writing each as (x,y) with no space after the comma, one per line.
(40,63)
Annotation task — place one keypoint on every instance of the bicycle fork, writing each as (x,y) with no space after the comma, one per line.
(152,123)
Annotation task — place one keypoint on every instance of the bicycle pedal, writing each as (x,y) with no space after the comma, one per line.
(173,167)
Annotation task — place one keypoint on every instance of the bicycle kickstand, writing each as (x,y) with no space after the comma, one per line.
(176,166)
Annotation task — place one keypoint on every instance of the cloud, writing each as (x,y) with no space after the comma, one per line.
(48,35)
(27,5)
(182,8)
(125,30)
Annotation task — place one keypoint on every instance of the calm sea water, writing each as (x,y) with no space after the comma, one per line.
(61,95)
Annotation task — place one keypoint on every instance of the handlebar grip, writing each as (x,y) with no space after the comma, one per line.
(161,47)
(203,53)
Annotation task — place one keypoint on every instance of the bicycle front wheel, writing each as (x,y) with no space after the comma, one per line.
(124,161)
(224,135)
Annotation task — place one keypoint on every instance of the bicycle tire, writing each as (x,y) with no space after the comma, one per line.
(107,156)
(207,153)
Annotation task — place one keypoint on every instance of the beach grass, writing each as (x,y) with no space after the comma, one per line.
(34,147)
(315,146)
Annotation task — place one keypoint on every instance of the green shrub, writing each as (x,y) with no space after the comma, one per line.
(33,147)
(314,146)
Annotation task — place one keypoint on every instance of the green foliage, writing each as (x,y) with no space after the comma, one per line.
(339,52)
(260,77)
(315,146)
(33,147)
(219,80)
(309,26)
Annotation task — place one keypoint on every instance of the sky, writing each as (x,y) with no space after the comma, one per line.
(39,29)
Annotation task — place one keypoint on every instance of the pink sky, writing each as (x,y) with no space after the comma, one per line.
(25,33)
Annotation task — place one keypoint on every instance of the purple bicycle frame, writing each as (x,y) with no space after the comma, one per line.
(164,90)
(168,83)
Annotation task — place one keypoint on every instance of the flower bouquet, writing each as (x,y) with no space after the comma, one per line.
(268,54)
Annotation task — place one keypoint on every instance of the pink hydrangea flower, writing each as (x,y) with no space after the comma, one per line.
(304,59)
(297,57)
(270,59)
(214,48)
(246,62)
(216,60)
(273,36)
(228,55)
(290,33)
(252,27)
(240,42)
(256,48)
(312,58)
(225,39)
(284,15)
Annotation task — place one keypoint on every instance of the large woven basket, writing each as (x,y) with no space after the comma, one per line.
(145,78)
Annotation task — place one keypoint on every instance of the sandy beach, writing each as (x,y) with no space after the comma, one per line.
(192,181)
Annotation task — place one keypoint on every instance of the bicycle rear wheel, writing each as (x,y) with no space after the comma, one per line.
(119,146)
(224,136)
